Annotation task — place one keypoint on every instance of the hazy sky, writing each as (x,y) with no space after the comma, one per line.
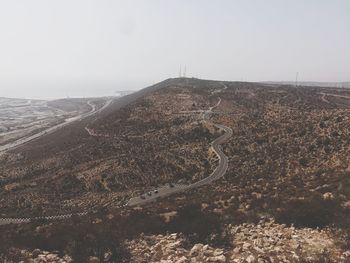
(72,48)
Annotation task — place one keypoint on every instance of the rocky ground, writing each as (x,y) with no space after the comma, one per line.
(289,159)
(36,256)
(266,241)
(151,141)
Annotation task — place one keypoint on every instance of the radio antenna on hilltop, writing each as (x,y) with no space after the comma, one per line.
(180,72)
(296,79)
(185,72)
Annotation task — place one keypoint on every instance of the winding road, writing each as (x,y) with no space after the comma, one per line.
(52,129)
(335,95)
(219,171)
(6,221)
(163,191)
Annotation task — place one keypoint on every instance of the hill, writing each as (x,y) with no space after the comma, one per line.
(344,85)
(288,166)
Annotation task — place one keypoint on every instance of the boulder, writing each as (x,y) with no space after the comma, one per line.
(93,260)
(67,259)
(52,258)
(173,245)
(328,196)
(36,253)
(220,258)
(346,205)
(218,252)
(246,246)
(196,249)
(183,259)
(237,250)
(250,259)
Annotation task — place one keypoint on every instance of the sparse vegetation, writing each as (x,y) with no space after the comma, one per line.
(288,159)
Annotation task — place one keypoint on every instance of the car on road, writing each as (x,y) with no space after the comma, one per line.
(149,193)
(155,191)
(142,197)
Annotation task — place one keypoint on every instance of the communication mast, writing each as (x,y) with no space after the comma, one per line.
(183,73)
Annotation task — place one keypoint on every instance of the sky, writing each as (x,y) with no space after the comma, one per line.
(75,48)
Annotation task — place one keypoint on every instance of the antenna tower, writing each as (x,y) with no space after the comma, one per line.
(296,79)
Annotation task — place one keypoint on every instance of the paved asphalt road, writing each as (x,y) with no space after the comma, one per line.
(219,171)
(5,221)
(163,191)
(24,140)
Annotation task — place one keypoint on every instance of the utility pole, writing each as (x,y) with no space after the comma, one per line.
(296,79)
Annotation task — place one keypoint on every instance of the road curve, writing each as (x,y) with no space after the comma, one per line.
(219,171)
(52,129)
(6,221)
(164,191)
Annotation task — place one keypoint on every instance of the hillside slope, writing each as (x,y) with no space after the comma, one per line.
(141,140)
(288,176)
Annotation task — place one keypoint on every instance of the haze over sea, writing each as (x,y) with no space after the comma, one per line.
(47,92)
